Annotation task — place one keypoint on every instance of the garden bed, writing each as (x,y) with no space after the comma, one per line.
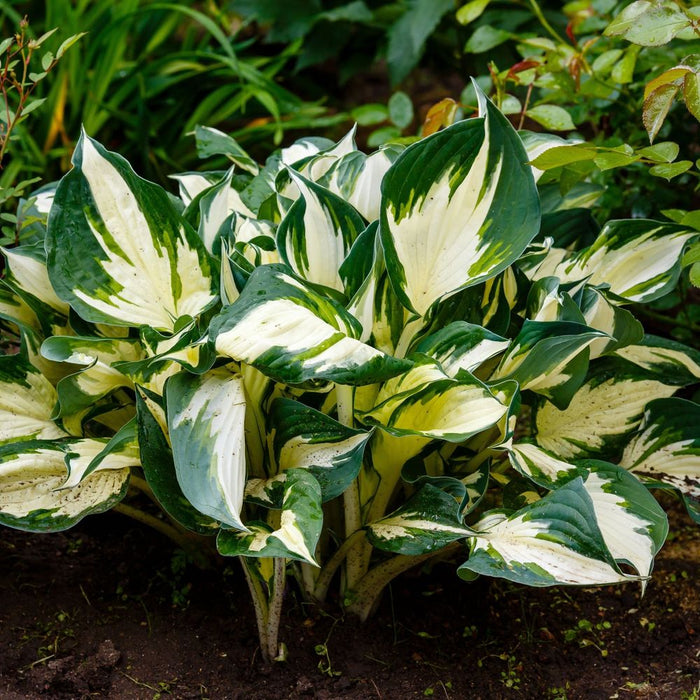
(111,610)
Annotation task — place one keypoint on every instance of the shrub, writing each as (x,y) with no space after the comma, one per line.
(340,361)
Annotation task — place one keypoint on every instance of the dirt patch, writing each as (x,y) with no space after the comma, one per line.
(112,610)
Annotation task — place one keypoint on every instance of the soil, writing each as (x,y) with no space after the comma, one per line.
(113,610)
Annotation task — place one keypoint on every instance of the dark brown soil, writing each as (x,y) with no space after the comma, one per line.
(112,610)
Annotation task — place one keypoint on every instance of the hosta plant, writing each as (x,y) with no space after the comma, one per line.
(338,365)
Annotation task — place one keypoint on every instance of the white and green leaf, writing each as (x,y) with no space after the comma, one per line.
(632,523)
(671,361)
(426,523)
(555,540)
(141,264)
(31,498)
(308,439)
(301,521)
(159,468)
(549,358)
(461,346)
(27,402)
(428,403)
(206,424)
(603,413)
(317,233)
(599,313)
(99,377)
(89,455)
(450,218)
(666,450)
(638,259)
(294,334)
(357,178)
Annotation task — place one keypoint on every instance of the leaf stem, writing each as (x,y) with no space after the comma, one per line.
(370,587)
(180,538)
(323,581)
(257,593)
(537,10)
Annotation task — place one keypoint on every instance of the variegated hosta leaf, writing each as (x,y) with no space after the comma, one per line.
(308,439)
(293,334)
(425,523)
(317,233)
(622,327)
(314,157)
(357,178)
(28,273)
(389,317)
(159,468)
(639,259)
(268,493)
(458,207)
(549,358)
(140,264)
(206,420)
(98,356)
(549,300)
(538,143)
(89,455)
(27,402)
(461,346)
(31,497)
(260,234)
(669,360)
(301,521)
(361,273)
(447,473)
(215,213)
(555,540)
(191,185)
(437,406)
(498,300)
(186,346)
(14,308)
(541,466)
(605,410)
(667,449)
(632,523)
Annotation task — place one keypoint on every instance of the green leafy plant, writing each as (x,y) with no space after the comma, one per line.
(355,33)
(22,69)
(339,365)
(143,76)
